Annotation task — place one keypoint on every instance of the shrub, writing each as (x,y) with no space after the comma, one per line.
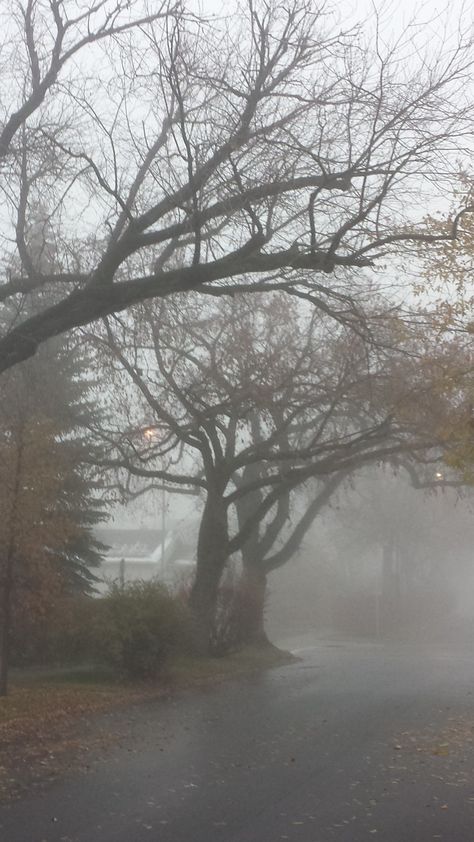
(63,635)
(140,626)
(234,611)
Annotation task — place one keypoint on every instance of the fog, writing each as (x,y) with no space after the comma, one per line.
(385,561)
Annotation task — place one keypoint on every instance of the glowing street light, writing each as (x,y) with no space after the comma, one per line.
(150,433)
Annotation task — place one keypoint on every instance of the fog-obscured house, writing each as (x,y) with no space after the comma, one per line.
(143,554)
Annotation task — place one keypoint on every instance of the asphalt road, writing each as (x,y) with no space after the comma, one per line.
(355,742)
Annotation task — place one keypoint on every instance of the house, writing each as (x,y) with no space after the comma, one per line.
(143,554)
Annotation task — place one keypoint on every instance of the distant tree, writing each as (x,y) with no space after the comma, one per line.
(276,542)
(415,529)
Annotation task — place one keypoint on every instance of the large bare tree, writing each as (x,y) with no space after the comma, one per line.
(249,402)
(265,149)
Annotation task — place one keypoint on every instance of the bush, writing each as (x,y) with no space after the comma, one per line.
(133,628)
(140,626)
(66,634)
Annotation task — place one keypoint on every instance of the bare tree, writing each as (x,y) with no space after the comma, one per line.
(266,150)
(275,543)
(416,545)
(249,402)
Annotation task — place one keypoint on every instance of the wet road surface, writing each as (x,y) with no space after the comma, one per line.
(354,742)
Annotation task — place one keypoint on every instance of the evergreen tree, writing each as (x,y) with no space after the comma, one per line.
(64,391)
(49,495)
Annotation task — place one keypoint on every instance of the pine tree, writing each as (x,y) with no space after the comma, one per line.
(64,391)
(49,497)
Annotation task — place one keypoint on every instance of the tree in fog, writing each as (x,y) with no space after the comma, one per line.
(414,531)
(34,528)
(49,503)
(276,541)
(59,386)
(250,401)
(270,149)
(446,275)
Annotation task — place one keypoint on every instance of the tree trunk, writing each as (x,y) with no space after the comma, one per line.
(212,554)
(7,573)
(254,586)
(254,578)
(5,618)
(391,596)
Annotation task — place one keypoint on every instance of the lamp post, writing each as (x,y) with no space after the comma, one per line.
(163,526)
(152,434)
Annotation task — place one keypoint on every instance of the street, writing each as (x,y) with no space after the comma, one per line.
(356,741)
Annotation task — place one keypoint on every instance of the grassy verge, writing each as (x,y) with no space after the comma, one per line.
(46,722)
(192,672)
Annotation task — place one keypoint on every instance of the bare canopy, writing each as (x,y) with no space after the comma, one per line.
(266,149)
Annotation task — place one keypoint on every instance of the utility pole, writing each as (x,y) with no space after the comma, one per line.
(163,534)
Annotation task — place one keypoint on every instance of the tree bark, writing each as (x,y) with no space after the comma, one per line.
(212,554)
(254,586)
(7,577)
(5,621)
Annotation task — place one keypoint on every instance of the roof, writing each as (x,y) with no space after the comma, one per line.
(130,543)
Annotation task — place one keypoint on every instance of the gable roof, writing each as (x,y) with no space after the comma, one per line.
(130,543)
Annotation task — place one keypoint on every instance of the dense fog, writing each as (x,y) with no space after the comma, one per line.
(384,561)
